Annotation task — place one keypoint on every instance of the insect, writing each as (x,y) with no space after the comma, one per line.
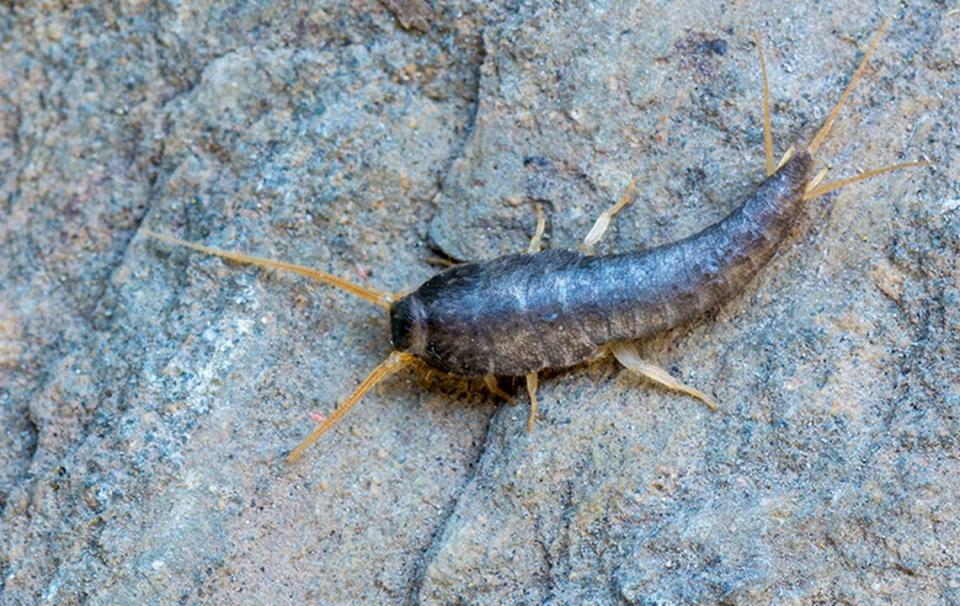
(519,314)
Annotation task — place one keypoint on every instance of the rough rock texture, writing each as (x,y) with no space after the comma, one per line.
(148,394)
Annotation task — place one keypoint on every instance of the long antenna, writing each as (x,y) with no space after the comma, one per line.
(397,361)
(383,299)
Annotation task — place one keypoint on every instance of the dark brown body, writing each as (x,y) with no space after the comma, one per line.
(522,313)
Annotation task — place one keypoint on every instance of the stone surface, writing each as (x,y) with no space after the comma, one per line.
(148,394)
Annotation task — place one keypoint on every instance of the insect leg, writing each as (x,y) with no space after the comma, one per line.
(532,390)
(767,131)
(536,242)
(397,361)
(626,354)
(492,387)
(603,221)
(376,297)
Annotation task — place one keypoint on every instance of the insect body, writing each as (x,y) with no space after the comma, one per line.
(522,313)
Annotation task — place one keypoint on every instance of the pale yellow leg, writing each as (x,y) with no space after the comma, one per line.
(536,242)
(602,223)
(627,355)
(492,387)
(532,390)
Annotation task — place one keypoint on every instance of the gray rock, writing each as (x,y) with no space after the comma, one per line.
(148,394)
